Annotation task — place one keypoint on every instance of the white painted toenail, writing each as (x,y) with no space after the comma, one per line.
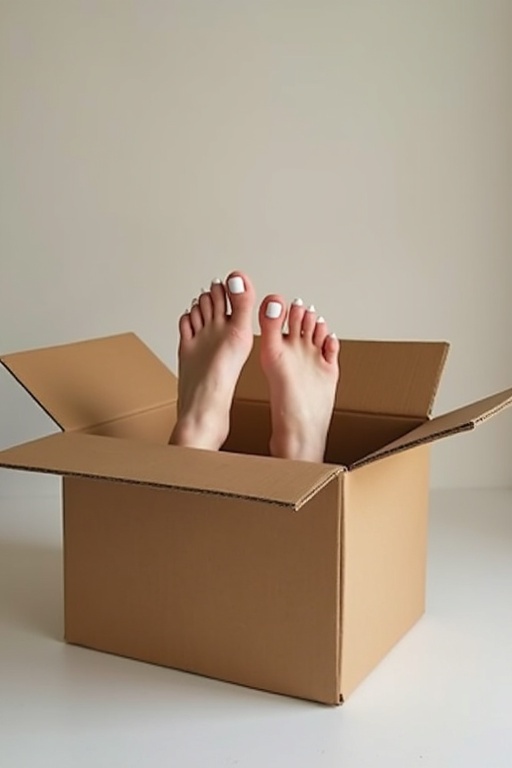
(273,310)
(332,336)
(298,303)
(236,284)
(216,281)
(311,308)
(204,290)
(320,319)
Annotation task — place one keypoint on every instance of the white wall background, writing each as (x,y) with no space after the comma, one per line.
(355,153)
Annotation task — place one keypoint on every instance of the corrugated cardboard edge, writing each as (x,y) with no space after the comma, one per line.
(343,560)
(93,458)
(337,471)
(29,393)
(438,375)
(460,420)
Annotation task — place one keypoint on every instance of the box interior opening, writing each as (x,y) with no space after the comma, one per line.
(115,386)
(352,436)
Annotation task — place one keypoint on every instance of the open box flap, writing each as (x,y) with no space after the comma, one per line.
(397,378)
(460,420)
(279,481)
(89,383)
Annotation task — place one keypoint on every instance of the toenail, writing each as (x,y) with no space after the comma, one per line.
(320,319)
(236,284)
(332,336)
(311,308)
(194,302)
(298,303)
(216,281)
(273,310)
(203,290)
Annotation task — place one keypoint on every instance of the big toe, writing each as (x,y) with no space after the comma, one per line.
(272,315)
(242,298)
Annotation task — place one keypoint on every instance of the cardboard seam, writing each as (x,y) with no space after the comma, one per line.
(341,582)
(65,554)
(318,487)
(439,374)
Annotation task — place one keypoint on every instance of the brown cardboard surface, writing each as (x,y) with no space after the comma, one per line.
(387,377)
(460,420)
(353,436)
(250,428)
(153,426)
(237,590)
(384,559)
(85,384)
(390,377)
(279,481)
(191,558)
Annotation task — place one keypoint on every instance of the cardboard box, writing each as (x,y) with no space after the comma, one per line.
(286,576)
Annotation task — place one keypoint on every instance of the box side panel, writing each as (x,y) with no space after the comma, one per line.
(384,559)
(237,590)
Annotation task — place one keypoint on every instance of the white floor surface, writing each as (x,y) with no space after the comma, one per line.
(440,699)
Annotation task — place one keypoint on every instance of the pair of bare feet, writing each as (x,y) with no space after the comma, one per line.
(301,368)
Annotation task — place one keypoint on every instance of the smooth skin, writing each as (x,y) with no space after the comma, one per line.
(301,368)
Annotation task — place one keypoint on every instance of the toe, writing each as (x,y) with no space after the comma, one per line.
(241,296)
(320,332)
(206,306)
(308,323)
(185,326)
(295,318)
(218,295)
(272,316)
(331,349)
(196,318)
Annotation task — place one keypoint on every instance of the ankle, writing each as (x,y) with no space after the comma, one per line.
(289,446)
(199,432)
